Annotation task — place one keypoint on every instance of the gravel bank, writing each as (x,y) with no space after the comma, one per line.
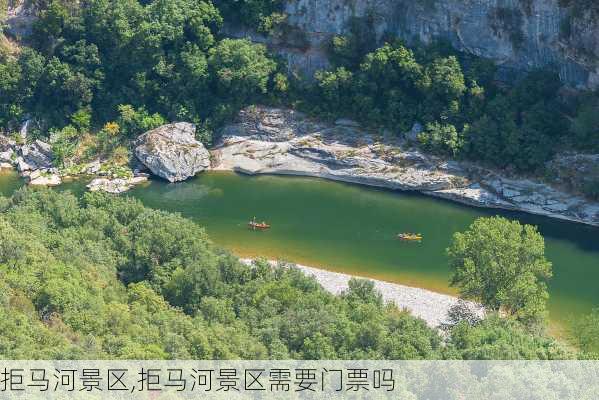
(432,307)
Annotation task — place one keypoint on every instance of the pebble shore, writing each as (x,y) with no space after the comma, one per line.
(430,306)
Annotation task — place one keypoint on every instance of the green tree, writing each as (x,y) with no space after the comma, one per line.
(497,338)
(441,139)
(585,126)
(502,264)
(586,333)
(241,69)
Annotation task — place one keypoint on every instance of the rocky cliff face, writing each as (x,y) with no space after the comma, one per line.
(278,141)
(519,35)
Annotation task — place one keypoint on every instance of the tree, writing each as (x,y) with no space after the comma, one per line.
(441,139)
(241,69)
(496,338)
(502,264)
(585,126)
(586,332)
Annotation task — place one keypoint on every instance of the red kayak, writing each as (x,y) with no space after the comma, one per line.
(258,225)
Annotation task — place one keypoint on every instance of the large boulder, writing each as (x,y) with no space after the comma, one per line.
(172,152)
(44,178)
(6,143)
(37,155)
(6,150)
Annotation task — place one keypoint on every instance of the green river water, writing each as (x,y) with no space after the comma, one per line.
(353,229)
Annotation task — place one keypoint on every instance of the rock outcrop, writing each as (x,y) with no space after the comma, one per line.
(7,153)
(33,161)
(34,156)
(517,35)
(115,186)
(275,141)
(576,171)
(172,152)
(44,178)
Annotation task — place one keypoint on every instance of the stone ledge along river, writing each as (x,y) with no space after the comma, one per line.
(352,229)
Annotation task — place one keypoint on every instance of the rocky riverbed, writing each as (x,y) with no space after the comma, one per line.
(280,141)
(170,151)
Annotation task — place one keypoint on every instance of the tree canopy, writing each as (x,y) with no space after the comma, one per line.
(502,264)
(104,277)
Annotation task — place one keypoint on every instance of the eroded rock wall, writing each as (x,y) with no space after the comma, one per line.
(519,35)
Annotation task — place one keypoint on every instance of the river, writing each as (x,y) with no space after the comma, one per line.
(352,229)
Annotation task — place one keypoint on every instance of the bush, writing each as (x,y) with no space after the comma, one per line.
(440,139)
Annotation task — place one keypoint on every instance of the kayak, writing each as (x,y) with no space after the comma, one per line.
(410,236)
(257,225)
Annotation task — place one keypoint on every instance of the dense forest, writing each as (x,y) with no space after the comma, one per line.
(99,72)
(105,277)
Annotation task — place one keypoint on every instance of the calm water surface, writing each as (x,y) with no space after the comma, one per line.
(352,229)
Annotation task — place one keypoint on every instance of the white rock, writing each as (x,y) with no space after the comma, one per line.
(45,179)
(93,167)
(34,174)
(37,155)
(115,186)
(22,166)
(7,156)
(296,145)
(172,152)
(509,193)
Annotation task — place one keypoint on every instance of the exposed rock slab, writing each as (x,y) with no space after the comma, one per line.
(44,178)
(37,155)
(275,141)
(172,152)
(115,186)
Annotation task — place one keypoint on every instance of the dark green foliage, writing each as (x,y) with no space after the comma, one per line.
(586,334)
(454,95)
(521,128)
(385,90)
(160,55)
(349,50)
(496,338)
(149,284)
(251,13)
(585,125)
(440,139)
(502,265)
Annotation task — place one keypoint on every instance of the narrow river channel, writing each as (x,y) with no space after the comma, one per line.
(353,229)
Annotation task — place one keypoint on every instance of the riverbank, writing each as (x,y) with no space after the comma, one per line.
(284,142)
(430,306)
(352,229)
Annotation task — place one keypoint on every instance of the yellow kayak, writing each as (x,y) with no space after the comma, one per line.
(410,236)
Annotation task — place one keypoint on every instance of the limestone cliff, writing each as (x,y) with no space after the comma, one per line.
(519,35)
